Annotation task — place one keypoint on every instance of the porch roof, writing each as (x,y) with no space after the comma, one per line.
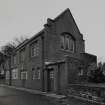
(54,62)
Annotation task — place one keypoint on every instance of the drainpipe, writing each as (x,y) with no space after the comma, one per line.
(43,65)
(10,72)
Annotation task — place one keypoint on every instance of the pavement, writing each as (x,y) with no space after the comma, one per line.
(11,95)
(52,95)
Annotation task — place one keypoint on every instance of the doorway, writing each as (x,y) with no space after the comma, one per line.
(50,79)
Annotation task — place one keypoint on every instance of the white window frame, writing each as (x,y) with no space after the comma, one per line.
(66,41)
(22,75)
(52,74)
(7,75)
(62,42)
(15,74)
(71,45)
(36,74)
(81,72)
(35,49)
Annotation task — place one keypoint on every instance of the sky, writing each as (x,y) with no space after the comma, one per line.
(27,17)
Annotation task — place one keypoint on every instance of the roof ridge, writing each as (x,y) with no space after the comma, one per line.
(62,13)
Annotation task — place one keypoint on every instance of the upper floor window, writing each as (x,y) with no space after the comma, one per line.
(35,49)
(67,42)
(14,60)
(80,71)
(7,64)
(22,55)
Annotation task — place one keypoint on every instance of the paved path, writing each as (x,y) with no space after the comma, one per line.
(12,96)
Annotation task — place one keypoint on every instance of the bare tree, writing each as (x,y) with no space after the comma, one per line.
(19,40)
(2,66)
(95,73)
(7,51)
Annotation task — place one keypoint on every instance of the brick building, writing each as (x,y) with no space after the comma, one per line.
(51,59)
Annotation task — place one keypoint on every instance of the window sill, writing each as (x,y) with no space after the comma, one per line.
(67,51)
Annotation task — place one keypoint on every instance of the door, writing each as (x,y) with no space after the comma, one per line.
(50,79)
(23,78)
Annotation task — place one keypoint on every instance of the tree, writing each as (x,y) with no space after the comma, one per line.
(91,67)
(95,74)
(2,67)
(7,51)
(19,40)
(100,65)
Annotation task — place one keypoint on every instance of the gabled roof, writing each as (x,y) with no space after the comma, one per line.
(68,12)
(28,40)
(48,22)
(63,13)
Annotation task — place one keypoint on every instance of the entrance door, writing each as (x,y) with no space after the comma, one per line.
(50,79)
(23,78)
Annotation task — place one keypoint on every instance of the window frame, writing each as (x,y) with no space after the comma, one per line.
(15,73)
(66,39)
(22,55)
(26,75)
(36,74)
(34,49)
(7,75)
(14,60)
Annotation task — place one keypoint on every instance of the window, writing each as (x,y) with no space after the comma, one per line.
(14,60)
(36,73)
(35,49)
(71,44)
(51,74)
(24,75)
(7,75)
(67,39)
(62,42)
(80,73)
(22,55)
(15,74)
(67,42)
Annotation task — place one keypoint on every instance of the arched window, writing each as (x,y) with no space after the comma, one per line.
(67,42)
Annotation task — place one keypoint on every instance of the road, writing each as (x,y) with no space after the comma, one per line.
(9,96)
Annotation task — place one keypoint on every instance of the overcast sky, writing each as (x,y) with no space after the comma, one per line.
(27,17)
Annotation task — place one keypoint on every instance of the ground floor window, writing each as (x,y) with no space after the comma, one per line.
(24,75)
(35,73)
(7,75)
(15,74)
(52,74)
(80,73)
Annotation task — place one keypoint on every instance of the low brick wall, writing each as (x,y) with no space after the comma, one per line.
(94,92)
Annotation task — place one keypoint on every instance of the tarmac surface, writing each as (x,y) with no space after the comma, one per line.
(16,97)
(12,96)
